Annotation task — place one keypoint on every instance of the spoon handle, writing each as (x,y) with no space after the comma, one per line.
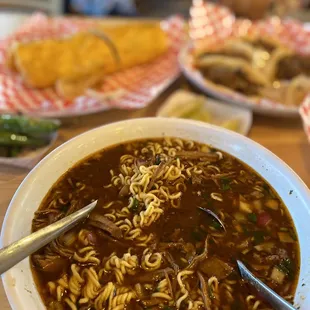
(18,250)
(276,301)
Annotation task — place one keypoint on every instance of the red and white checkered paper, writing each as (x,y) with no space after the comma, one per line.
(211,25)
(139,85)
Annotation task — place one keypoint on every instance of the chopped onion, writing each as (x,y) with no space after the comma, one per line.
(246,251)
(259,267)
(285,237)
(69,238)
(283,229)
(240,217)
(272,204)
(258,204)
(238,228)
(266,247)
(277,275)
(244,244)
(244,206)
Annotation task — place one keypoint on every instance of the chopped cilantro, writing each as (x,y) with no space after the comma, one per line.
(135,206)
(210,293)
(157,159)
(269,191)
(198,234)
(252,217)
(293,234)
(215,224)
(225,184)
(259,236)
(287,267)
(245,229)
(207,199)
(65,208)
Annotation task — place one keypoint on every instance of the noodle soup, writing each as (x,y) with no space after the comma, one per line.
(148,246)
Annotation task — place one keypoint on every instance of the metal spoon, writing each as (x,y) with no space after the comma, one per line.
(17,251)
(214,216)
(276,301)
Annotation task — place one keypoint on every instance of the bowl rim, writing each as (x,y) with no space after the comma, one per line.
(9,216)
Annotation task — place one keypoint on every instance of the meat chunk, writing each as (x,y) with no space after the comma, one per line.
(49,263)
(215,267)
(152,276)
(100,221)
(236,80)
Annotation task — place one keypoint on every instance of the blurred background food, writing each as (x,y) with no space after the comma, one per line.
(245,8)
(188,105)
(253,9)
(92,55)
(83,68)
(80,61)
(20,134)
(258,67)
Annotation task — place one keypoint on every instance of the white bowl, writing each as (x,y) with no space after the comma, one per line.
(18,282)
(218,110)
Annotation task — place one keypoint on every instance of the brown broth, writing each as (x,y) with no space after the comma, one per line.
(185,225)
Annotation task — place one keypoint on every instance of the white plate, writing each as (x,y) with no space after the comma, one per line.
(230,97)
(18,281)
(133,88)
(220,112)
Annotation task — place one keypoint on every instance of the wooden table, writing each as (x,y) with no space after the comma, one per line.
(284,137)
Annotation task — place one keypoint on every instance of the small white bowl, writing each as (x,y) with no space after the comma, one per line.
(18,282)
(219,111)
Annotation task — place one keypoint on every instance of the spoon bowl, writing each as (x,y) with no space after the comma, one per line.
(212,214)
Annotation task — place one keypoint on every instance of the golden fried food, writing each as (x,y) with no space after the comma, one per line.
(136,44)
(71,88)
(43,63)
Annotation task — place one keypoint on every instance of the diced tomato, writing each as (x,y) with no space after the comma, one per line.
(263,219)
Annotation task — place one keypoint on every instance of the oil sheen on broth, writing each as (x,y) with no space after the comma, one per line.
(147,245)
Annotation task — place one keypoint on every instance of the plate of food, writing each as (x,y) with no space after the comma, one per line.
(147,245)
(262,65)
(187,105)
(304,112)
(25,140)
(58,66)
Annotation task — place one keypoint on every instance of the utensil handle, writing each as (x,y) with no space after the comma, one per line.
(276,301)
(17,251)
